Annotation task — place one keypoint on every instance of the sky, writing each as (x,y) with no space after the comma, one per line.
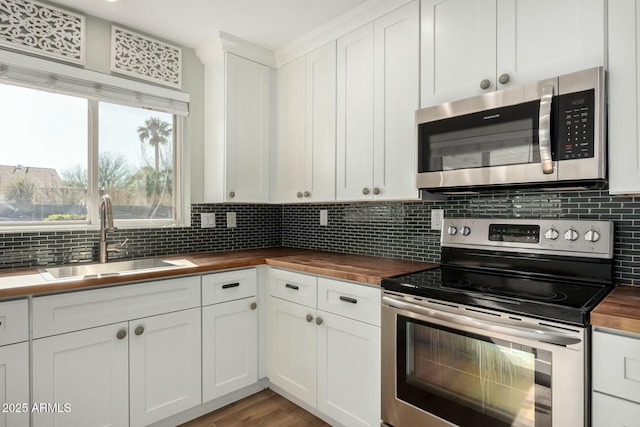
(41,129)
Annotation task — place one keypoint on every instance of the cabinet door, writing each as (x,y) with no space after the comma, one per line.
(14,385)
(458,49)
(229,347)
(624,93)
(546,38)
(291,348)
(88,370)
(165,365)
(354,155)
(291,131)
(396,98)
(320,161)
(348,370)
(247,130)
(609,411)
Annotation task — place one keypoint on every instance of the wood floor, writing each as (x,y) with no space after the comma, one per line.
(266,409)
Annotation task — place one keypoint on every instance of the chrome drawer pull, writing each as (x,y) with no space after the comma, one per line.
(349,299)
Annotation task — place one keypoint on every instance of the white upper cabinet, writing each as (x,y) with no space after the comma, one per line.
(306,127)
(473,46)
(377,95)
(354,174)
(624,96)
(237,130)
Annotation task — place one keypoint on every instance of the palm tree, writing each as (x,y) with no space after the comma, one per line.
(155,132)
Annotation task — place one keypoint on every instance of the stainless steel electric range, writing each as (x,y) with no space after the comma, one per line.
(498,334)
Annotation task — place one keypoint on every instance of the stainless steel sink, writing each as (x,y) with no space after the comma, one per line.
(110,268)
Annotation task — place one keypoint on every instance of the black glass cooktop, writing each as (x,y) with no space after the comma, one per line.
(563,301)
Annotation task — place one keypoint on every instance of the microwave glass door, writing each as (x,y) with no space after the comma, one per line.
(472,380)
(500,137)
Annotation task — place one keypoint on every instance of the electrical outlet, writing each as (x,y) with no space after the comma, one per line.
(207,220)
(437,216)
(231,219)
(324,217)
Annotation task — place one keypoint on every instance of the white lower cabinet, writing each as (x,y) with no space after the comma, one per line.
(229,332)
(291,348)
(137,370)
(348,370)
(14,385)
(87,370)
(165,366)
(616,379)
(329,360)
(14,364)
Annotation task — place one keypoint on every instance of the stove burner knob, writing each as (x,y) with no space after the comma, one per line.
(592,236)
(452,230)
(571,235)
(552,234)
(465,231)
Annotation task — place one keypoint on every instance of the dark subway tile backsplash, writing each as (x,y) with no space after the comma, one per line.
(402,229)
(389,229)
(258,226)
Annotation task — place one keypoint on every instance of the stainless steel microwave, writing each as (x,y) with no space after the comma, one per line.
(549,133)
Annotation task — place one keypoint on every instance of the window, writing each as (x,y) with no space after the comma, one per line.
(61,152)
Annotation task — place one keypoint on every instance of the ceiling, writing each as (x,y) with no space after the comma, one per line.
(270,24)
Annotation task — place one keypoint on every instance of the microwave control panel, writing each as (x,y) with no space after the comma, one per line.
(576,125)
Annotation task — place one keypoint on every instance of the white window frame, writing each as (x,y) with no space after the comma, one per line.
(36,73)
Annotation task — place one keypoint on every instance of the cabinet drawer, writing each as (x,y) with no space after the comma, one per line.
(14,321)
(56,314)
(349,300)
(294,287)
(229,286)
(609,411)
(616,365)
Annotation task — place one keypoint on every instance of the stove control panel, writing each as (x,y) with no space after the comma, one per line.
(572,237)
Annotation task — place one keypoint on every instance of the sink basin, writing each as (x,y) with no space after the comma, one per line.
(84,271)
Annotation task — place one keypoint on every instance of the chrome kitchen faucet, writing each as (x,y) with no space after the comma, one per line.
(106,224)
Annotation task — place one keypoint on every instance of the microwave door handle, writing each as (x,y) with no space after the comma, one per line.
(544,129)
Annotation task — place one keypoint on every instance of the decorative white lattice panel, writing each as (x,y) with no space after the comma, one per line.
(145,58)
(41,29)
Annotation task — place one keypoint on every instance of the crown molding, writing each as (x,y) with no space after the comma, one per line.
(355,18)
(232,44)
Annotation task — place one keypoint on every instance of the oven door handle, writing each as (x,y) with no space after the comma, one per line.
(544,129)
(538,334)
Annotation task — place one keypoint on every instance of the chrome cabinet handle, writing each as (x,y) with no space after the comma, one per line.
(232,194)
(348,299)
(309,318)
(485,84)
(365,191)
(538,334)
(253,306)
(504,79)
(544,128)
(139,330)
(122,334)
(376,191)
(299,195)
(318,321)
(307,194)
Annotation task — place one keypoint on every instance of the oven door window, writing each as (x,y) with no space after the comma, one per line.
(472,380)
(500,137)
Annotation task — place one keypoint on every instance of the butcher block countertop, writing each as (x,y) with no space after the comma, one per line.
(360,268)
(619,310)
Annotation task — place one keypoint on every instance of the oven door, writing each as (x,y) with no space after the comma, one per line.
(445,365)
